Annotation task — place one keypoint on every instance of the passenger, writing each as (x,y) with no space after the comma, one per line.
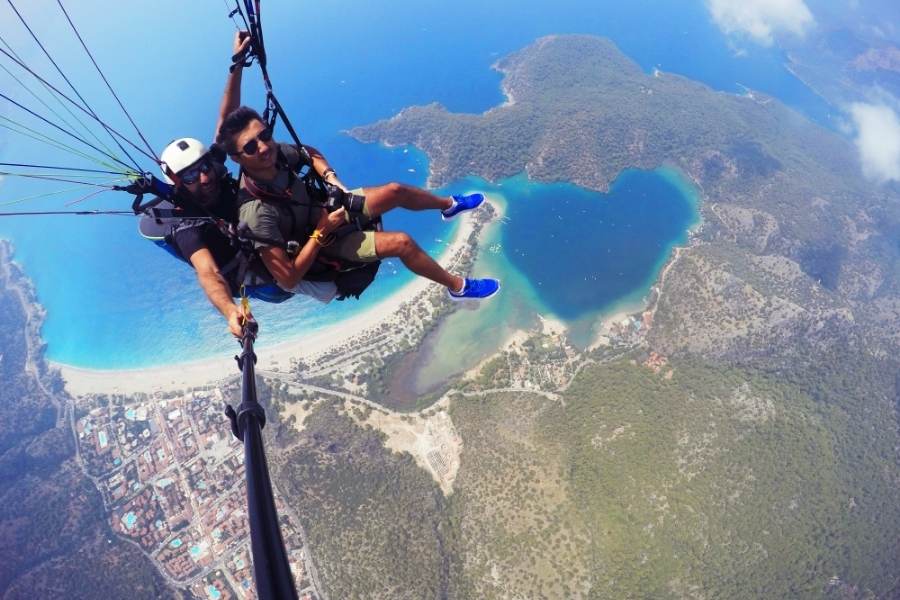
(278,207)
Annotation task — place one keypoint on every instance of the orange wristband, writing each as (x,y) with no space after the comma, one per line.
(320,238)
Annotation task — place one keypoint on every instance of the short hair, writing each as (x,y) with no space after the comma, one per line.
(233,124)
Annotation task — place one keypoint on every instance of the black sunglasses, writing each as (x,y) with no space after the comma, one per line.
(192,175)
(251,147)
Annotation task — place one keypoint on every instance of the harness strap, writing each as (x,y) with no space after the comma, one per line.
(161,214)
(286,195)
(334,268)
(258,192)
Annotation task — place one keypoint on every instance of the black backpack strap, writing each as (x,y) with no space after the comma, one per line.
(351,278)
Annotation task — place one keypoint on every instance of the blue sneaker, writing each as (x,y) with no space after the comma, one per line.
(476,289)
(462,203)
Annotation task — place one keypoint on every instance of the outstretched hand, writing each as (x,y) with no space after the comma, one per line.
(236,320)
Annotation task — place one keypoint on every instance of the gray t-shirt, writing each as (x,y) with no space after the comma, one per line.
(285,212)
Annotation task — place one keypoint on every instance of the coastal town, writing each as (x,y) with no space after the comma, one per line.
(172,478)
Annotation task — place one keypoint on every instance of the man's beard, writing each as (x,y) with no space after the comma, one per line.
(208,197)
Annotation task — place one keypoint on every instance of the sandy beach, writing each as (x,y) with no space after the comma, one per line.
(610,320)
(201,373)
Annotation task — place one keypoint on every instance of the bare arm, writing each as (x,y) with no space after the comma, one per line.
(216,288)
(321,166)
(231,98)
(289,272)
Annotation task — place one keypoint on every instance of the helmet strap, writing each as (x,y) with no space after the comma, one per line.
(176,180)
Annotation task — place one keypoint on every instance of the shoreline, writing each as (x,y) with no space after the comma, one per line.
(280,356)
(508,97)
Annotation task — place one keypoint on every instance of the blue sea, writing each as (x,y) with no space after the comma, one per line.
(115,301)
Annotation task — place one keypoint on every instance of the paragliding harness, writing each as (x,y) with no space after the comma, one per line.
(246,270)
(168,213)
(351,277)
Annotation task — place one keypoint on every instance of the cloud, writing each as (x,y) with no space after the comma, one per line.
(761,19)
(878,140)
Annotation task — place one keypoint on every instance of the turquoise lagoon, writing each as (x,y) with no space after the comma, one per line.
(566,253)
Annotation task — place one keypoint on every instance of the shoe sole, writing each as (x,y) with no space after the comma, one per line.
(450,218)
(463,298)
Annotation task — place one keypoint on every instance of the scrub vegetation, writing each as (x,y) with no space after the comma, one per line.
(713,481)
(374,520)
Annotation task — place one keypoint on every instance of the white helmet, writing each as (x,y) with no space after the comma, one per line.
(181,154)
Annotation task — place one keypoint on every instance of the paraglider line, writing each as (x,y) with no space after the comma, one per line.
(112,91)
(78,169)
(44,139)
(50,108)
(69,133)
(84,106)
(87,197)
(51,178)
(76,105)
(63,75)
(39,213)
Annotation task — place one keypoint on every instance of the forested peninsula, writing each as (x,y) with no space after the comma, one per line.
(795,242)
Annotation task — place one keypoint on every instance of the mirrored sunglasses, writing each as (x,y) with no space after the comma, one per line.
(192,175)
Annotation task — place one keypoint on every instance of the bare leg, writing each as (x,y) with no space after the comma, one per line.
(398,244)
(383,198)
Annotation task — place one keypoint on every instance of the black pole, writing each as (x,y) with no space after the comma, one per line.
(270,563)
